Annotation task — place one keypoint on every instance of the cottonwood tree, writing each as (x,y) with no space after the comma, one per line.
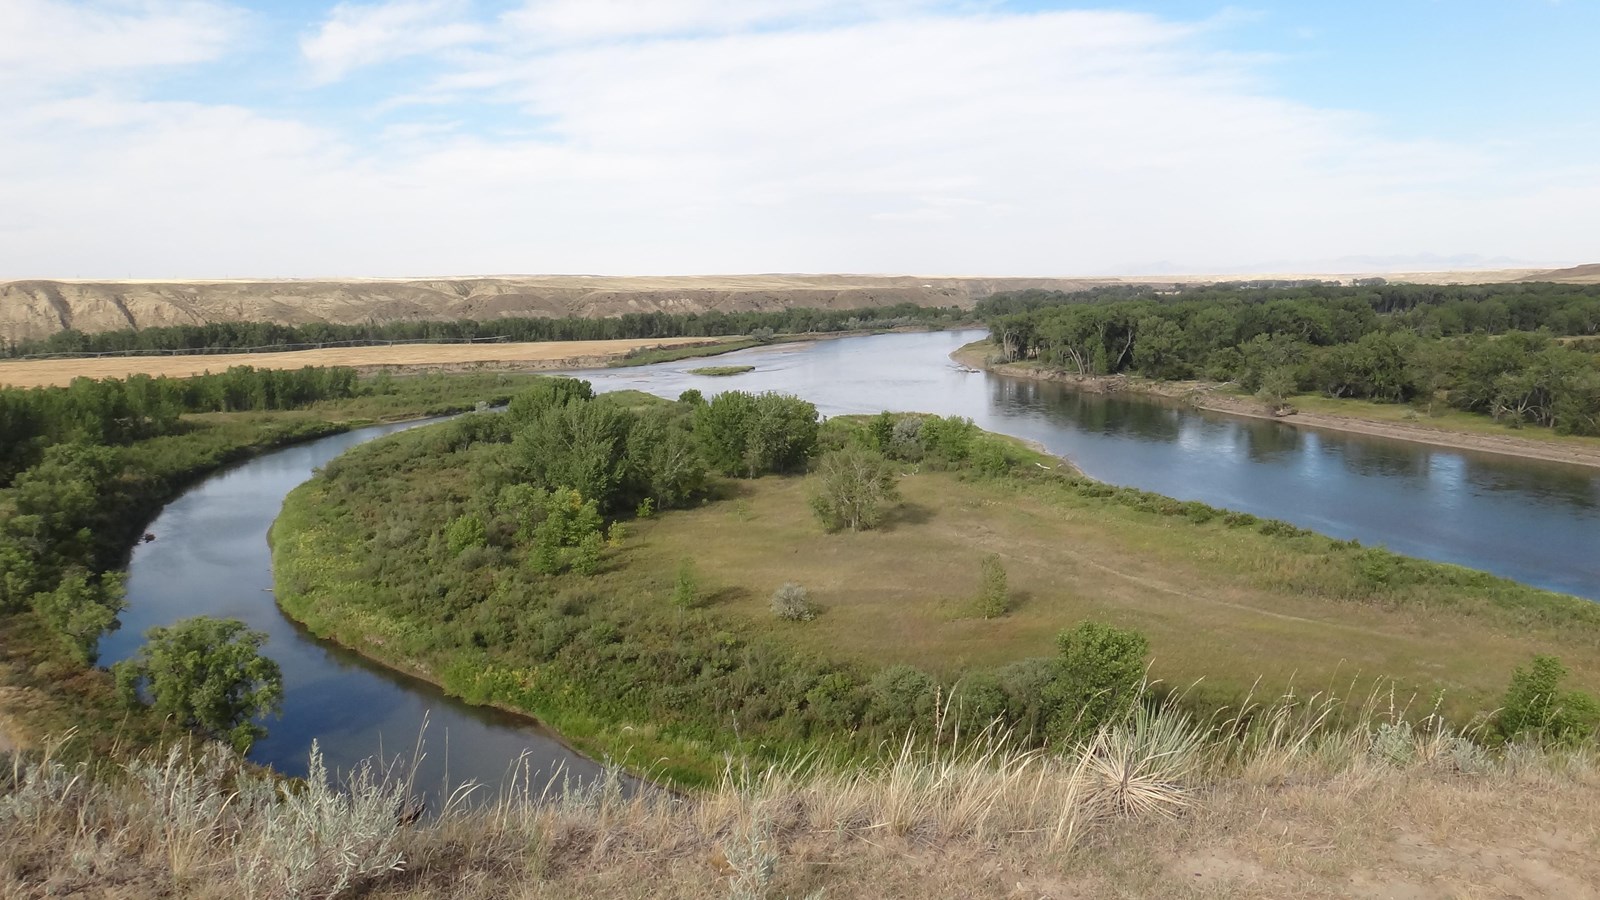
(854,486)
(207,674)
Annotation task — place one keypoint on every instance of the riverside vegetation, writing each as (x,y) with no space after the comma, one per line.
(84,467)
(582,536)
(624,569)
(1523,354)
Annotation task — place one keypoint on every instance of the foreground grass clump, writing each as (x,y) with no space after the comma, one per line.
(1156,804)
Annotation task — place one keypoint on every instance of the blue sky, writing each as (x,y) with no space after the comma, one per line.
(199,138)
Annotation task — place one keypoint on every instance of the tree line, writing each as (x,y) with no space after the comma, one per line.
(273,336)
(114,411)
(1493,349)
(75,462)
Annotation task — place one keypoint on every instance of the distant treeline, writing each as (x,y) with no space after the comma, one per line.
(1485,348)
(268,336)
(115,412)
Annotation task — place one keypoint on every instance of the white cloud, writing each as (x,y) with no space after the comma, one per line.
(357,35)
(44,42)
(801,135)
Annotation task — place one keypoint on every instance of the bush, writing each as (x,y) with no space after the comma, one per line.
(1100,670)
(206,674)
(900,696)
(993,596)
(1536,707)
(855,484)
(791,602)
(465,531)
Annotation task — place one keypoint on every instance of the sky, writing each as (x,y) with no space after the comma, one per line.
(209,139)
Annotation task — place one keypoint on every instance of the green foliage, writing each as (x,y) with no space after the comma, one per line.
(113,412)
(466,530)
(267,336)
(900,698)
(994,598)
(1484,348)
(691,397)
(1276,384)
(586,557)
(207,674)
(791,602)
(80,609)
(1536,707)
(1097,680)
(854,486)
(754,434)
(686,588)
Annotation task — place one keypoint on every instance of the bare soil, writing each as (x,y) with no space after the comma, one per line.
(398,358)
(1213,397)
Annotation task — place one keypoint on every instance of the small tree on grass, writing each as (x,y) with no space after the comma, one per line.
(993,596)
(791,602)
(1097,678)
(687,588)
(1536,706)
(1276,386)
(855,485)
(207,674)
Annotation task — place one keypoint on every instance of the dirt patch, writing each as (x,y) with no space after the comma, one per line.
(1211,397)
(399,358)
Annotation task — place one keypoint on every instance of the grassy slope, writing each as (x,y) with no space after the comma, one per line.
(1229,605)
(1221,600)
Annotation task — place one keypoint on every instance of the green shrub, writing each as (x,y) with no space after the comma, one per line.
(1100,671)
(465,531)
(900,697)
(854,486)
(206,674)
(1536,707)
(993,596)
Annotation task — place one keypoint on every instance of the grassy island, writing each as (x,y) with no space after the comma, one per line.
(662,641)
(721,371)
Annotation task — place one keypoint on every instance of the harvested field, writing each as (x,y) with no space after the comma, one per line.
(397,357)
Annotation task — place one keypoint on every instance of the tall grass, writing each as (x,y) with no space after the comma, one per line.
(203,823)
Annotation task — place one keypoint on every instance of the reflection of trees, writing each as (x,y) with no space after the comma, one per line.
(1113,414)
(1265,441)
(1370,458)
(1549,485)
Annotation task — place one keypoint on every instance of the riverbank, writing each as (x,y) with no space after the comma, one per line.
(1455,430)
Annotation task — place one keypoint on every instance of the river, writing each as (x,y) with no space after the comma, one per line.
(1535,522)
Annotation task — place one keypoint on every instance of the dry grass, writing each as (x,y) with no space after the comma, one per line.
(1226,604)
(1157,806)
(534,355)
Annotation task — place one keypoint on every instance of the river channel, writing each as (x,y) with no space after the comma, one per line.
(1534,522)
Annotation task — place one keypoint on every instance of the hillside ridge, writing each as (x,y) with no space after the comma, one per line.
(38,308)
